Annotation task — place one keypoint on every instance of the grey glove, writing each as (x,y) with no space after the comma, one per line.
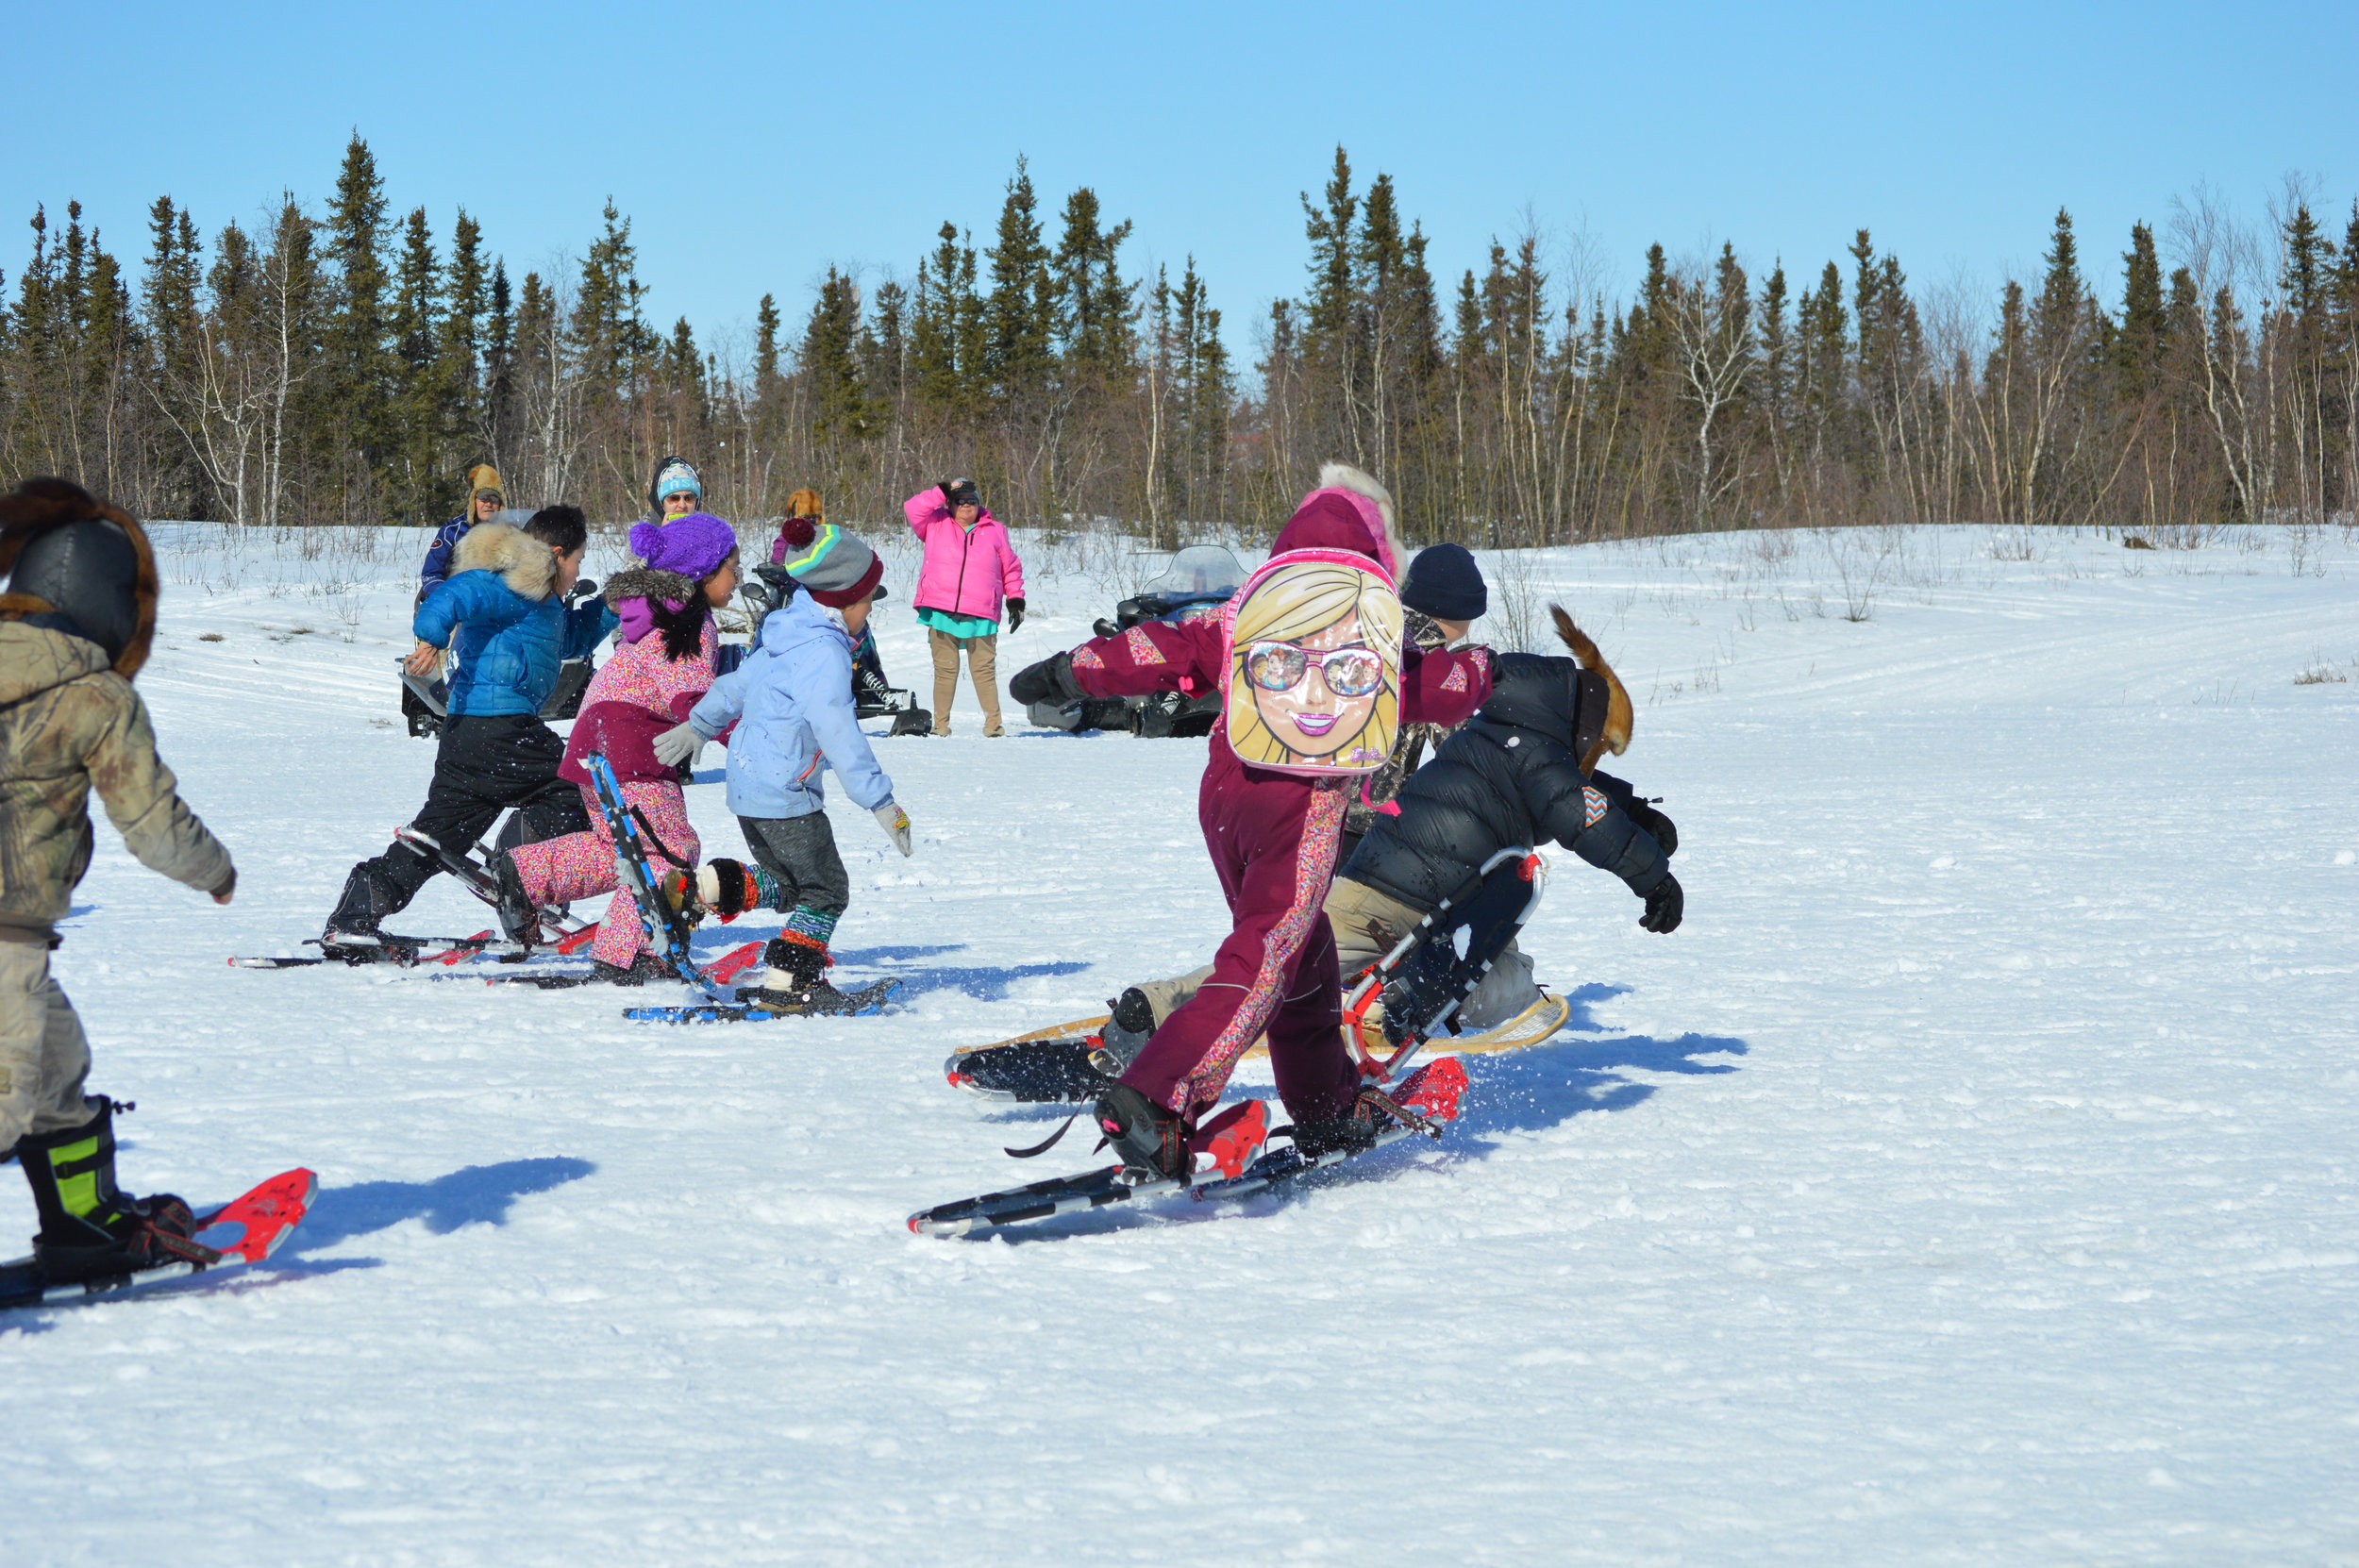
(678,747)
(896,823)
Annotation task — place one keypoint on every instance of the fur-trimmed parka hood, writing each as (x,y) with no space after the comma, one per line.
(1613,725)
(1348,511)
(40,504)
(523,563)
(1578,702)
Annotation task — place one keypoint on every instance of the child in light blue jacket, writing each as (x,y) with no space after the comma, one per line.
(792,703)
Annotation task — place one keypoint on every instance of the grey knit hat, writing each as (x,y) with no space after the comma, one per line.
(833,567)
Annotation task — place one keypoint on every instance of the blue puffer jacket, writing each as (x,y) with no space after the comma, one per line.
(512,632)
(792,703)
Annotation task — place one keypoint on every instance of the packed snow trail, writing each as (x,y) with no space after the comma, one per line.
(1969,1179)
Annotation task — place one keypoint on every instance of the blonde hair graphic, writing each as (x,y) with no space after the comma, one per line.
(1299,600)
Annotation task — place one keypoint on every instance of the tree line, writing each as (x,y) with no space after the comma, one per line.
(345,366)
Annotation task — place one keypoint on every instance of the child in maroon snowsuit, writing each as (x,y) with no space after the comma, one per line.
(1272,837)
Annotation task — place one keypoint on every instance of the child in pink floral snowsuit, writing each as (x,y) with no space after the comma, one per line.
(663,664)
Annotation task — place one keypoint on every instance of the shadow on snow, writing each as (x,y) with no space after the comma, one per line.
(479,1194)
(1508,1092)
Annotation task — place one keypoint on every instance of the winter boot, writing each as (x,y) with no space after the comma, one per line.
(364,903)
(89,1230)
(519,918)
(1152,1141)
(1126,1033)
(644,968)
(794,976)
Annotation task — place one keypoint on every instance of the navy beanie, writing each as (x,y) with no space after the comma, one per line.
(1444,582)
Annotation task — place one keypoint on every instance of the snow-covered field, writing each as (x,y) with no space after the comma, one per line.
(1971,1179)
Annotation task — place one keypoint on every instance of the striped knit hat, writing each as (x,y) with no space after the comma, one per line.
(833,567)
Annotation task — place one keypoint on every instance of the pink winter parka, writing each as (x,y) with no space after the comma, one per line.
(966,571)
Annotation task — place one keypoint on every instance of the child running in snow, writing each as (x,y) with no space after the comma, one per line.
(663,665)
(1314,666)
(504,604)
(969,565)
(791,704)
(75,627)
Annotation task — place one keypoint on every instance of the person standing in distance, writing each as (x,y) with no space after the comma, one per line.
(969,567)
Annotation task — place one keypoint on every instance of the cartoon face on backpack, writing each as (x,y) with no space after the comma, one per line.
(1313,672)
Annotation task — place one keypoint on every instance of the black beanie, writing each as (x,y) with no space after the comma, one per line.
(1444,582)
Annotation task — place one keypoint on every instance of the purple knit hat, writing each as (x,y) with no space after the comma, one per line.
(695,545)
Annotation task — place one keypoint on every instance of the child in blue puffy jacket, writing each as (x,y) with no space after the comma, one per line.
(502,613)
(792,703)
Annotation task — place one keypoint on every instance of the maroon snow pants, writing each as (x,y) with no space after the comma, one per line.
(1273,840)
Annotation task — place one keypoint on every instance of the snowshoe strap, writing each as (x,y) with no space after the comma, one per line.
(661,847)
(1049,1143)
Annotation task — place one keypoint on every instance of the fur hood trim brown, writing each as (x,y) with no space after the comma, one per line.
(40,504)
(650,583)
(523,563)
(1614,736)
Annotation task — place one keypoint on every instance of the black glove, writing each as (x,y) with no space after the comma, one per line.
(1659,827)
(1051,680)
(1664,905)
(1015,615)
(583,589)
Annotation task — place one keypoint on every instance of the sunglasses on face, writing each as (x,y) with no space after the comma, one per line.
(490,499)
(1281,666)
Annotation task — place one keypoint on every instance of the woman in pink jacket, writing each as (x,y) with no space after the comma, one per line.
(970,566)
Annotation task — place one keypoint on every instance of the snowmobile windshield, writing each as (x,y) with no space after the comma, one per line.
(1198,572)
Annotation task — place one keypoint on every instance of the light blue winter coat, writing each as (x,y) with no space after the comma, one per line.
(792,703)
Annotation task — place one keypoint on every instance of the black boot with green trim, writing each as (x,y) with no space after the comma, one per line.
(89,1230)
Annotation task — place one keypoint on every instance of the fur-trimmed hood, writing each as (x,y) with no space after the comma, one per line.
(1614,735)
(523,563)
(1348,511)
(40,504)
(1578,702)
(647,582)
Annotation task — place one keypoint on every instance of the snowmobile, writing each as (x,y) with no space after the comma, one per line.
(1192,586)
(423,702)
(767,587)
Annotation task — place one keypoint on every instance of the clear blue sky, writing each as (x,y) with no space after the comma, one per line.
(753,145)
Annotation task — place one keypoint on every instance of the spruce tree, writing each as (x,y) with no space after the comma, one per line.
(360,361)
(1020,311)
(2145,321)
(420,490)
(830,357)
(464,303)
(1093,303)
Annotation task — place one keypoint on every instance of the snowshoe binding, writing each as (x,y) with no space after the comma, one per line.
(89,1230)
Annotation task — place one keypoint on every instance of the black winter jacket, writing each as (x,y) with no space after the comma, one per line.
(1512,775)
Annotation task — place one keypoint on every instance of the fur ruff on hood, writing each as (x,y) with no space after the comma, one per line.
(1378,501)
(1614,736)
(524,564)
(650,583)
(40,504)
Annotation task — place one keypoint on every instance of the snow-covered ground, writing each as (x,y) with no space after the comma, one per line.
(1969,1180)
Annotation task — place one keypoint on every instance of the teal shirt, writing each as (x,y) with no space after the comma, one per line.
(960,626)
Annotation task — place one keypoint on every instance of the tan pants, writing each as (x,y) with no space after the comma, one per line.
(982,664)
(1367,926)
(44,1054)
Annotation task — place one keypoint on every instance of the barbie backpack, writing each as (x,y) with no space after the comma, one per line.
(1313,667)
